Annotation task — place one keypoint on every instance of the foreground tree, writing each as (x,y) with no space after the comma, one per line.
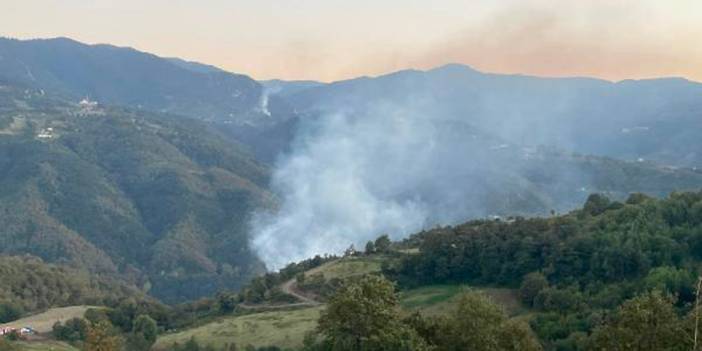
(101,337)
(646,322)
(143,334)
(363,315)
(478,324)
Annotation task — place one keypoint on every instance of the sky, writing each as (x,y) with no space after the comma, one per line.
(338,39)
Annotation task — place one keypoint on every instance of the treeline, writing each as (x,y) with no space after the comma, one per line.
(572,269)
(30,285)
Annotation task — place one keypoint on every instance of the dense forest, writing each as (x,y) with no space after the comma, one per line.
(31,285)
(572,269)
(157,201)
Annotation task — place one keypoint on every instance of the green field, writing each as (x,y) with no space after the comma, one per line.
(278,328)
(348,267)
(436,300)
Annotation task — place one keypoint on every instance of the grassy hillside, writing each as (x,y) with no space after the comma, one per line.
(160,201)
(566,277)
(43,322)
(44,346)
(275,328)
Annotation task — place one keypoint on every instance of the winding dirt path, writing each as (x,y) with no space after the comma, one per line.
(290,287)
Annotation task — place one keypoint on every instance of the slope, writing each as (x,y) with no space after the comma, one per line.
(160,201)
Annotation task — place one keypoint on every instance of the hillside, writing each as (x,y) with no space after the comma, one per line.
(160,201)
(568,277)
(651,119)
(124,76)
(30,285)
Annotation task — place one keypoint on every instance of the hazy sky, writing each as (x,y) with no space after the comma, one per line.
(336,39)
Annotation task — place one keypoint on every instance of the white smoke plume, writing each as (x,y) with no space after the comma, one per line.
(354,176)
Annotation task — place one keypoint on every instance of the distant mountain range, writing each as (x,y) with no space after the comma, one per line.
(148,169)
(124,76)
(654,119)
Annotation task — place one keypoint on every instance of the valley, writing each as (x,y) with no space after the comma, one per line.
(155,203)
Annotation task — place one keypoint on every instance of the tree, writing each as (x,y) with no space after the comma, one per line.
(646,322)
(370,248)
(72,330)
(101,337)
(9,312)
(363,316)
(143,334)
(382,244)
(596,204)
(226,302)
(532,284)
(478,324)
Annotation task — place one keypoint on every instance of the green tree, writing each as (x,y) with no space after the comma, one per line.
(646,322)
(532,285)
(596,204)
(382,244)
(226,302)
(370,248)
(72,330)
(9,312)
(363,316)
(144,333)
(478,324)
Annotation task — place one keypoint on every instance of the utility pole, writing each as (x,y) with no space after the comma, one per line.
(697,313)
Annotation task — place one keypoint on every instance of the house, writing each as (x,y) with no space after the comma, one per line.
(351,251)
(46,133)
(7,330)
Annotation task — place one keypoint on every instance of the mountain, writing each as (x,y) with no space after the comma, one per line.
(289,87)
(127,77)
(653,119)
(157,200)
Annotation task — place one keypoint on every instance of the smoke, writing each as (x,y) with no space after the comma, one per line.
(386,169)
(265,97)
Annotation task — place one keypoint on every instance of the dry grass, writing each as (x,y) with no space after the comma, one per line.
(44,346)
(349,267)
(43,322)
(278,328)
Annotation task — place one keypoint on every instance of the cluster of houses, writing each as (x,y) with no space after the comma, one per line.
(20,331)
(88,107)
(46,133)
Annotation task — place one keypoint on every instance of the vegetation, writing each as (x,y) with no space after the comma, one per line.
(570,269)
(157,201)
(363,315)
(282,328)
(29,285)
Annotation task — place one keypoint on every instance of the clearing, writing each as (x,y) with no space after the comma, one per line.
(434,300)
(274,328)
(43,322)
(348,267)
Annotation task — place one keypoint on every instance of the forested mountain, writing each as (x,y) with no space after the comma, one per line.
(157,200)
(128,77)
(653,119)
